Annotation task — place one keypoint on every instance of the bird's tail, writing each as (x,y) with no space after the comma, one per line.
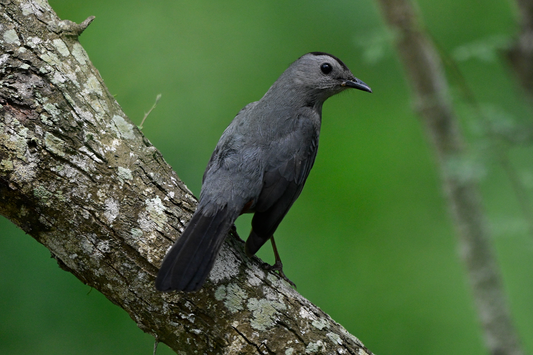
(189,261)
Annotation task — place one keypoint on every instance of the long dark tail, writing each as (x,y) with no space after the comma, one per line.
(189,261)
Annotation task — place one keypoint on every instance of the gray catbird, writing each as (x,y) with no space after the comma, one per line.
(259,166)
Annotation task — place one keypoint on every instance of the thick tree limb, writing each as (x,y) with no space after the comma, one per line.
(430,91)
(80,178)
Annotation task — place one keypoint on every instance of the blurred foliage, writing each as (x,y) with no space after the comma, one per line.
(370,240)
(485,49)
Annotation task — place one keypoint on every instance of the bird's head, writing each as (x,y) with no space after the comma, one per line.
(325,71)
(311,80)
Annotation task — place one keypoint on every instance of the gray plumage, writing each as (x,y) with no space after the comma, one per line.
(259,165)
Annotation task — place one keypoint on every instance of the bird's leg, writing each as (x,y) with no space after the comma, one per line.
(278,265)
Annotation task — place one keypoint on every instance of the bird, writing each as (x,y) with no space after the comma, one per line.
(259,165)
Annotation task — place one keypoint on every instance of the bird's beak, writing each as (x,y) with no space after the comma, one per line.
(356,84)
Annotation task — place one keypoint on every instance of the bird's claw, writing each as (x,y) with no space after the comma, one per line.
(278,266)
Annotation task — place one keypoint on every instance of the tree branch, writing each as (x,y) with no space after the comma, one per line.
(80,178)
(430,91)
(520,54)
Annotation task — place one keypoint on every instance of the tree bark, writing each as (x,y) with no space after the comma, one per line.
(80,178)
(425,75)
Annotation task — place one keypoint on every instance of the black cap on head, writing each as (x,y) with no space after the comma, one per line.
(332,56)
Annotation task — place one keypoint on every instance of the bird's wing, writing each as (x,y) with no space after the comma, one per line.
(234,172)
(289,165)
(289,160)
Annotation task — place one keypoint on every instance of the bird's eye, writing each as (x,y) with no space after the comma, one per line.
(326,68)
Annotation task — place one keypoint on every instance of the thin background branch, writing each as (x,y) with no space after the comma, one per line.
(425,75)
(520,54)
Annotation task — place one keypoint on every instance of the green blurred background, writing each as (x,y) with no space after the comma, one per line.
(370,240)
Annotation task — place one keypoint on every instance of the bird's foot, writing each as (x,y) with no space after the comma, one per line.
(278,266)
